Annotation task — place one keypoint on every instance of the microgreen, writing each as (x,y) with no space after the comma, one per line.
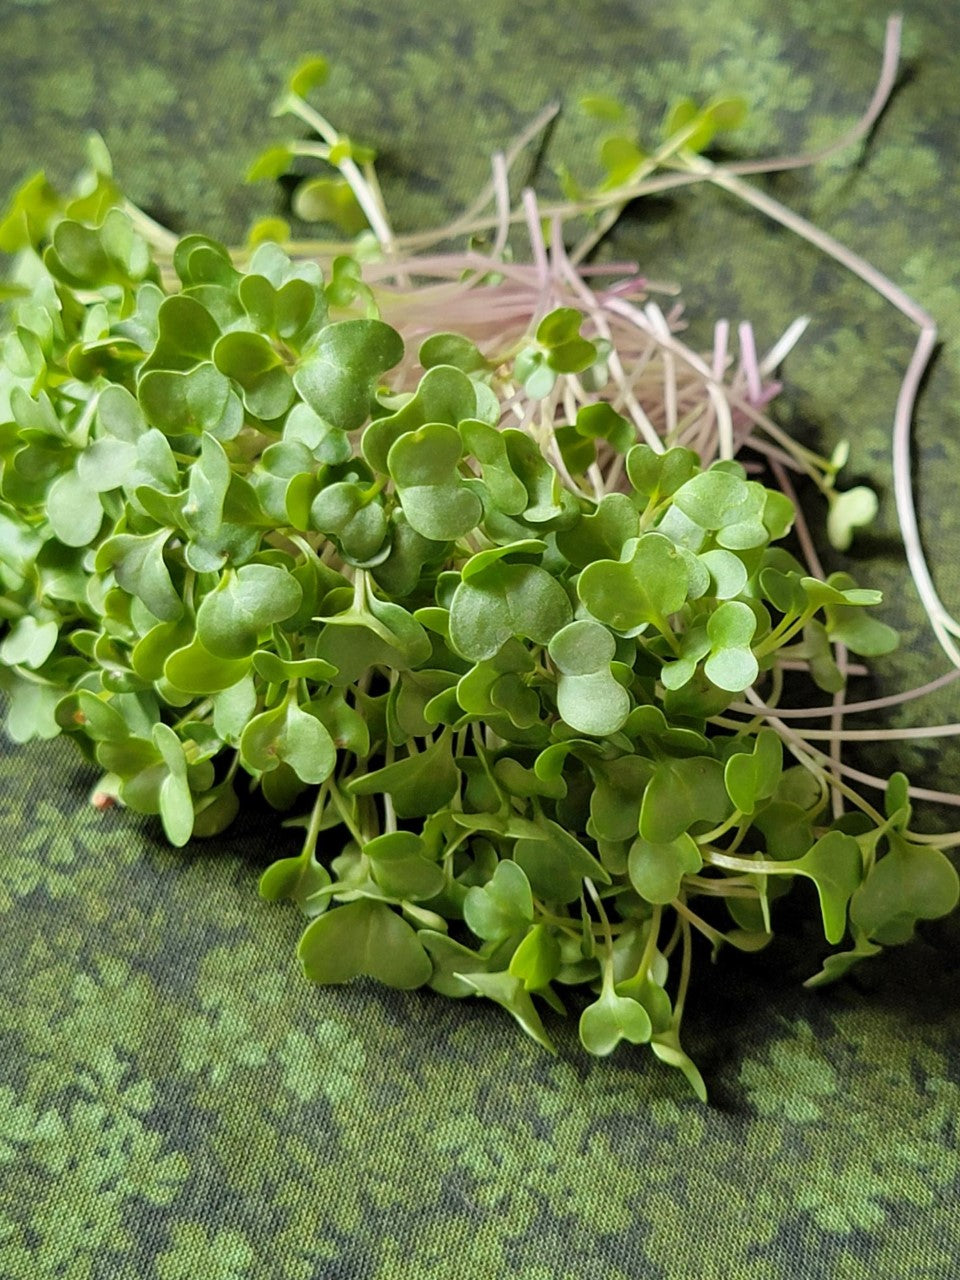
(512,652)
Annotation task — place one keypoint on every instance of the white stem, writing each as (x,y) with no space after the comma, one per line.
(366,198)
(882,735)
(537,247)
(467,223)
(888,75)
(800,523)
(781,349)
(805,754)
(871,704)
(721,407)
(748,356)
(721,335)
(662,330)
(501,191)
(489,192)
(630,402)
(836,725)
(944,625)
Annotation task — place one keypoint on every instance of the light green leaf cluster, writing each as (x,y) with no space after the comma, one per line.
(235,540)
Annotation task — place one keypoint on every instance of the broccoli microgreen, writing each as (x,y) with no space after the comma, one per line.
(475,602)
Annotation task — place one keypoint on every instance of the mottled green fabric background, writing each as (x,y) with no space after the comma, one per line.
(175,1103)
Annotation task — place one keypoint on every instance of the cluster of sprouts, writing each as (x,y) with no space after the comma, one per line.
(714,403)
(424,617)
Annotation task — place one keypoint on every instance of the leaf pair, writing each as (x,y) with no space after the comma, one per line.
(154,772)
(722,503)
(364,938)
(610,1019)
(504,601)
(589,698)
(725,643)
(288,735)
(445,396)
(648,584)
(191,401)
(908,884)
(559,348)
(338,371)
(424,466)
(418,784)
(112,253)
(242,608)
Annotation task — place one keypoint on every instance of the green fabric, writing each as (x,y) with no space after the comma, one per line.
(175,1102)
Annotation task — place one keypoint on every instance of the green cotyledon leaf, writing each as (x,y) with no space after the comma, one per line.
(186,334)
(835,865)
(74,510)
(602,535)
(680,793)
(909,883)
(364,939)
(29,642)
(419,784)
(192,668)
(288,735)
(506,600)
(720,501)
(556,862)
(752,778)
(656,476)
(610,1019)
(435,500)
(190,401)
(401,866)
(445,395)
(346,511)
(502,906)
(175,800)
(536,961)
(244,605)
(301,880)
(508,990)
(647,584)
(730,663)
(339,368)
(453,349)
(589,698)
(250,360)
(618,787)
(656,869)
(140,568)
(487,445)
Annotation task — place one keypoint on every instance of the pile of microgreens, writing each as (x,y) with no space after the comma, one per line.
(501,610)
